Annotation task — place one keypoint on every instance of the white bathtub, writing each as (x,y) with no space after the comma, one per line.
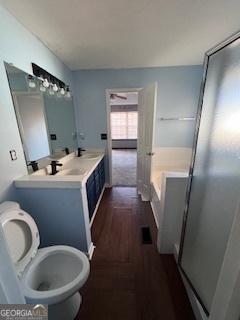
(169,177)
(167,201)
(158,175)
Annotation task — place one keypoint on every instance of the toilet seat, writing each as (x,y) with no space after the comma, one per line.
(35,275)
(21,234)
(51,275)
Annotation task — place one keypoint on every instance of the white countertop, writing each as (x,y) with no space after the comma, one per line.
(62,181)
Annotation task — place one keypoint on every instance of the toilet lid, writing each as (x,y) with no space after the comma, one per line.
(21,235)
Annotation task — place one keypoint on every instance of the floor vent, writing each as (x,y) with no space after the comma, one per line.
(146,235)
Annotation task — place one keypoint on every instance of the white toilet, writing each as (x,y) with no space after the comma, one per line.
(52,275)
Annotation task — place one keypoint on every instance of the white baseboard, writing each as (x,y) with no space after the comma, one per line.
(97,205)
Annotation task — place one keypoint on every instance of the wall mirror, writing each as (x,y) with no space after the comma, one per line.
(213,192)
(45,117)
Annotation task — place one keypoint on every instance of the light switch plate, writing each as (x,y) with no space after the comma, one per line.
(13,155)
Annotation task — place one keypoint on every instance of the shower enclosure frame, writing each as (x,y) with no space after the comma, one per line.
(207,56)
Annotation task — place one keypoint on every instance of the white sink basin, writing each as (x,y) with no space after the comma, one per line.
(40,172)
(71,172)
(90,156)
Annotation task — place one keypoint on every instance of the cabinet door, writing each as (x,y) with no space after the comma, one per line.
(94,187)
(102,177)
(102,174)
(91,195)
(98,186)
(90,180)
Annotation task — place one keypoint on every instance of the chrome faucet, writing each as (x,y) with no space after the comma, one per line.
(79,153)
(54,164)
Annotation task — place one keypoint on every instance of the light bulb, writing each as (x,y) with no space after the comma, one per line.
(59,94)
(46,83)
(62,91)
(55,87)
(68,94)
(42,88)
(50,91)
(31,82)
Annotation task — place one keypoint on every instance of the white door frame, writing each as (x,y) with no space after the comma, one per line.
(109,133)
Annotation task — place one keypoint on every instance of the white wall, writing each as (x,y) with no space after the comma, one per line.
(171,159)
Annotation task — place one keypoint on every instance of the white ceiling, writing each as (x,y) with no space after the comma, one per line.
(89,34)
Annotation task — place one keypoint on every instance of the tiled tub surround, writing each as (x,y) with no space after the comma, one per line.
(59,203)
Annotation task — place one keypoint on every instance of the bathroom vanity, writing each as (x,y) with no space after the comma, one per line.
(64,205)
(63,188)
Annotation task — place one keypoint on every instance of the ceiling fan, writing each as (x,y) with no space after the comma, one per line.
(116,95)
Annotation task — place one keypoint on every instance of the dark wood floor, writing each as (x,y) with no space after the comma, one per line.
(129,280)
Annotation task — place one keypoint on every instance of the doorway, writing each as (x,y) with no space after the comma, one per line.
(142,130)
(123,136)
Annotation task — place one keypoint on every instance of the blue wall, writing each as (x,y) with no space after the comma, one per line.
(20,47)
(178,91)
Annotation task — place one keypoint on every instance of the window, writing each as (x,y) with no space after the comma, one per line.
(124,125)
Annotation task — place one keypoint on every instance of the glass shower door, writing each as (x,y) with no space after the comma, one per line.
(215,187)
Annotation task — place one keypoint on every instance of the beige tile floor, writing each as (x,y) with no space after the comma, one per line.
(124,165)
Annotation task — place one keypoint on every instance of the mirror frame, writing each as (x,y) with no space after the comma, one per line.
(13,97)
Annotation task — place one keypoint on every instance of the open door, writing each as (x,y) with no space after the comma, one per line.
(146,120)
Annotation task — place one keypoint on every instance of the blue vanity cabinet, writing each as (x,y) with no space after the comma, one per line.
(97,184)
(91,194)
(102,173)
(94,187)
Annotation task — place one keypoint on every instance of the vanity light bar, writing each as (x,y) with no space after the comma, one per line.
(43,74)
(53,84)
